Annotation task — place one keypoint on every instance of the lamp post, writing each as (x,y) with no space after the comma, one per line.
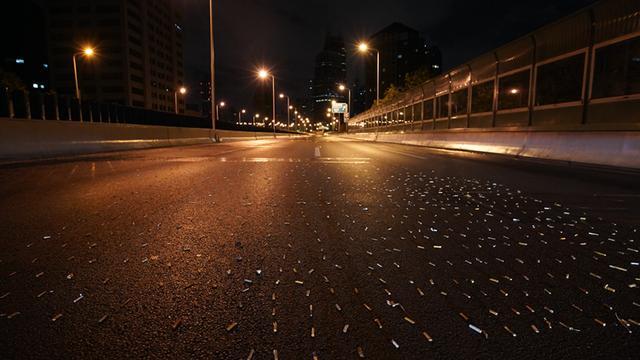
(87,52)
(289,107)
(218,106)
(182,90)
(364,48)
(213,68)
(343,88)
(264,74)
(243,111)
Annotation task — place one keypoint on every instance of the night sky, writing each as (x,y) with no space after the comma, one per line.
(286,35)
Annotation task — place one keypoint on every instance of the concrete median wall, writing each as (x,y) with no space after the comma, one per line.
(605,148)
(28,139)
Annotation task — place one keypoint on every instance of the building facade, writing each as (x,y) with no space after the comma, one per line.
(138,51)
(402,51)
(330,71)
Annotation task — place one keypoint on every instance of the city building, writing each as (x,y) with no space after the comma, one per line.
(138,50)
(330,71)
(23,56)
(358,98)
(402,51)
(204,98)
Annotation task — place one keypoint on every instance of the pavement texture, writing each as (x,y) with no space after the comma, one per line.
(316,248)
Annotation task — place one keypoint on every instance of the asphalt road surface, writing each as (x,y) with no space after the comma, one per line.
(316,248)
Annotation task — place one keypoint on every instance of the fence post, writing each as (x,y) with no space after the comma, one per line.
(532,78)
(496,91)
(469,94)
(68,106)
(586,96)
(56,109)
(42,105)
(27,104)
(10,107)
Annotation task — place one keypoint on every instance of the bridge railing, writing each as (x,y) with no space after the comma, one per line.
(581,70)
(39,105)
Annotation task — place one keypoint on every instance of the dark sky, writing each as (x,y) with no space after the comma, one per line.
(285,35)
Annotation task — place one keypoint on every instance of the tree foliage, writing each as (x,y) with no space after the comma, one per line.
(392,93)
(417,78)
(11,81)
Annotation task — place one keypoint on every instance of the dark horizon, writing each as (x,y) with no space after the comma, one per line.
(287,35)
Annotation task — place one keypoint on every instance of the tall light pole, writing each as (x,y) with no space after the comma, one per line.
(87,52)
(343,88)
(364,48)
(218,106)
(264,74)
(243,111)
(182,90)
(213,68)
(282,96)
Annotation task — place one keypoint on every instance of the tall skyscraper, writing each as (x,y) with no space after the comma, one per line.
(138,46)
(402,51)
(330,72)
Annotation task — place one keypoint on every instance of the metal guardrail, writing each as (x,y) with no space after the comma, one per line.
(38,105)
(580,70)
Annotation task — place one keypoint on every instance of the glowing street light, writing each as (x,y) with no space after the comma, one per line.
(364,48)
(264,75)
(289,107)
(182,91)
(212,66)
(218,106)
(87,52)
(240,113)
(343,88)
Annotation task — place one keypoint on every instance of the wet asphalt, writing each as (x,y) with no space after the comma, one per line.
(316,248)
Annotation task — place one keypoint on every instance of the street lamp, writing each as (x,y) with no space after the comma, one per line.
(364,48)
(86,52)
(212,67)
(343,88)
(289,107)
(243,111)
(264,74)
(182,90)
(218,106)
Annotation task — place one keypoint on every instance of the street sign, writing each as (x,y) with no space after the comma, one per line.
(339,108)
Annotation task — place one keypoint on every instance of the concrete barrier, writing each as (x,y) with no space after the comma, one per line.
(28,139)
(604,148)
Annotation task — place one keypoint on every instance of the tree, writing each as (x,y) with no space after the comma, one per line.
(417,78)
(11,81)
(392,93)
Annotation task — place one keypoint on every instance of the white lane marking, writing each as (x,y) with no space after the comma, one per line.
(344,159)
(407,154)
(322,160)
(317,152)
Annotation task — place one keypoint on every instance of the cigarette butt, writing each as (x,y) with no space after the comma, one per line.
(427,336)
(232,326)
(409,320)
